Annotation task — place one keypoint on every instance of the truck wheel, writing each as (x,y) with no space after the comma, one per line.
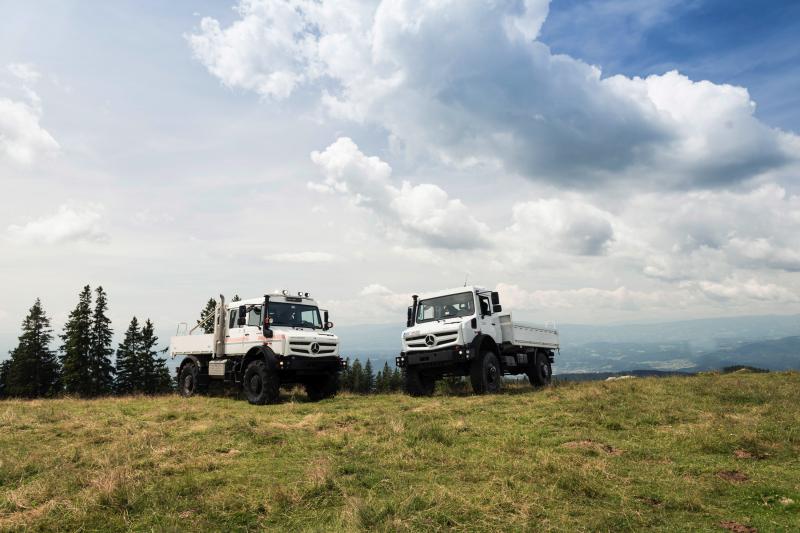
(189,380)
(260,384)
(322,387)
(541,373)
(417,384)
(485,374)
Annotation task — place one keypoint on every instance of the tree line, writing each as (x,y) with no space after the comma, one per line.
(82,365)
(360,378)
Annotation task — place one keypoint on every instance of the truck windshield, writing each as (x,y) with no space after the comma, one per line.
(294,315)
(443,307)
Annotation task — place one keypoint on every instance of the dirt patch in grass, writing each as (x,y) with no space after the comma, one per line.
(736,527)
(652,502)
(588,444)
(745,454)
(733,476)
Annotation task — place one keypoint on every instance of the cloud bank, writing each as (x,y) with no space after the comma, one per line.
(468,83)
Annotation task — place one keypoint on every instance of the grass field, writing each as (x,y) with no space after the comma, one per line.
(711,452)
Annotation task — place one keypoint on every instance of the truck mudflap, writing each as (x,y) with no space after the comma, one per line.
(299,365)
(441,357)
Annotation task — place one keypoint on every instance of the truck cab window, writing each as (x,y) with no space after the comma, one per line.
(234,313)
(485,307)
(254,316)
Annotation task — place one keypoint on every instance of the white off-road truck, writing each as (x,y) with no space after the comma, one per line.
(464,332)
(261,344)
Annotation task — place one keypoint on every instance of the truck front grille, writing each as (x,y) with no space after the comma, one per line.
(304,347)
(442,338)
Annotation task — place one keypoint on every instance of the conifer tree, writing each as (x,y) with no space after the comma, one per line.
(356,377)
(208,325)
(379,382)
(33,368)
(397,380)
(129,374)
(155,376)
(4,366)
(76,374)
(100,351)
(368,385)
(345,377)
(386,378)
(236,298)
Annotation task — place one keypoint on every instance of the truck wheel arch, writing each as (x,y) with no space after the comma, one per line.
(483,343)
(192,359)
(259,352)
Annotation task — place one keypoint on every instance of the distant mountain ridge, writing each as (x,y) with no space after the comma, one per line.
(765,341)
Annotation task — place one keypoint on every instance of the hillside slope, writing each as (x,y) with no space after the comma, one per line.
(673,453)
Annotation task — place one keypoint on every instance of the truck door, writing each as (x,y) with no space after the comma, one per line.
(487,321)
(234,339)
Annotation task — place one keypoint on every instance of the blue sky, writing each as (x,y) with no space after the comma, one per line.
(366,151)
(750,43)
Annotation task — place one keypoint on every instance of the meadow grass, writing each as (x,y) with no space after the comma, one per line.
(696,453)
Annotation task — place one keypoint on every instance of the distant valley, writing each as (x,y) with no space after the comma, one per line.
(771,342)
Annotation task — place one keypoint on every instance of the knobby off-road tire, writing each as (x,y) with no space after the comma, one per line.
(418,384)
(189,380)
(540,373)
(485,374)
(322,387)
(260,383)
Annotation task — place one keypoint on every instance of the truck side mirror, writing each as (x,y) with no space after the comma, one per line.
(495,298)
(410,317)
(497,308)
(326,324)
(241,321)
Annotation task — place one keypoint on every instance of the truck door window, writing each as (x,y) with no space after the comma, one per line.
(254,316)
(485,308)
(234,313)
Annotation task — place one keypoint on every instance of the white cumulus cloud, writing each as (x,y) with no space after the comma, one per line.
(67,224)
(468,82)
(22,137)
(423,211)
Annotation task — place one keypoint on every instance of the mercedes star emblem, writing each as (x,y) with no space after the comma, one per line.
(314,347)
(430,340)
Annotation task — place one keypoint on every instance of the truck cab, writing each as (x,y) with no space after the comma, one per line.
(465,332)
(261,344)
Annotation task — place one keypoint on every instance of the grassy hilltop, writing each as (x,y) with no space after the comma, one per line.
(700,453)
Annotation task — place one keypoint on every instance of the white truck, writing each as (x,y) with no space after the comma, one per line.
(261,344)
(464,332)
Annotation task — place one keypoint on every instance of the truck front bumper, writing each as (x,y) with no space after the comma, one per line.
(432,358)
(300,365)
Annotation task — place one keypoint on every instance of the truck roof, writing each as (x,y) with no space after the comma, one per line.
(274,297)
(457,290)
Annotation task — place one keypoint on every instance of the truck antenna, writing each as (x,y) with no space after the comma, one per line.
(466,277)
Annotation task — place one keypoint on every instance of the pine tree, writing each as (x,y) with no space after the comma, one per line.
(154,372)
(345,378)
(33,368)
(129,374)
(4,367)
(385,384)
(100,351)
(368,385)
(77,334)
(379,382)
(356,377)
(236,298)
(397,380)
(209,309)
(162,380)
